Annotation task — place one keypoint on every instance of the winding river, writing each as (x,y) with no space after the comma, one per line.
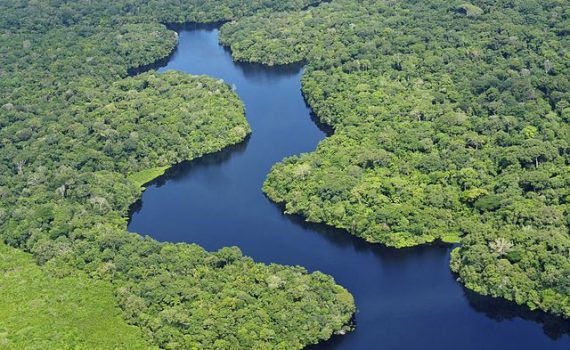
(407,299)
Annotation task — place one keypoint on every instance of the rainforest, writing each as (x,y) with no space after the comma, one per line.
(447,124)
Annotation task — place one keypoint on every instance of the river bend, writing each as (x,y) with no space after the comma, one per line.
(407,299)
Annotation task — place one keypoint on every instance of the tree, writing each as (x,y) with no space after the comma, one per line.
(500,246)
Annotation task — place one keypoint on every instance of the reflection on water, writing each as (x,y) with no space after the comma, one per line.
(503,311)
(407,299)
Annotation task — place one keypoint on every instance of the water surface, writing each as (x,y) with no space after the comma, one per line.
(407,299)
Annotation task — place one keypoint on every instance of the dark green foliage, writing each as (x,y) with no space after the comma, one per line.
(41,15)
(450,118)
(488,203)
(79,138)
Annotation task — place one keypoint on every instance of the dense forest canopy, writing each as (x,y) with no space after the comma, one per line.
(79,137)
(451,122)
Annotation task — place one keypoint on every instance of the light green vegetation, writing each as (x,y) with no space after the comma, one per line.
(73,312)
(451,120)
(451,239)
(73,126)
(140,178)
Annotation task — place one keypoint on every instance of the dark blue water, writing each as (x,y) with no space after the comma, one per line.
(407,299)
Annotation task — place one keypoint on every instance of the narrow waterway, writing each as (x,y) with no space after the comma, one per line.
(407,299)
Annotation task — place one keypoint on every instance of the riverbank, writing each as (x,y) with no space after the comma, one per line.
(219,197)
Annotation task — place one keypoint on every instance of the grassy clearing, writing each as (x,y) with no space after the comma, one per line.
(143,177)
(39,311)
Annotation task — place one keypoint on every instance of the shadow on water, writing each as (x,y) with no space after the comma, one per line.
(325,128)
(502,310)
(184,169)
(254,71)
(191,26)
(341,238)
(181,170)
(407,298)
(261,72)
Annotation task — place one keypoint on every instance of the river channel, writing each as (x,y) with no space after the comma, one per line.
(406,299)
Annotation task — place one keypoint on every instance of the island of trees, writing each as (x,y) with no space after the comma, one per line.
(79,137)
(451,123)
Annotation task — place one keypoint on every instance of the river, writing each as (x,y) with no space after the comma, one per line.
(407,299)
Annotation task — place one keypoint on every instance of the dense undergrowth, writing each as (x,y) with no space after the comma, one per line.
(451,122)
